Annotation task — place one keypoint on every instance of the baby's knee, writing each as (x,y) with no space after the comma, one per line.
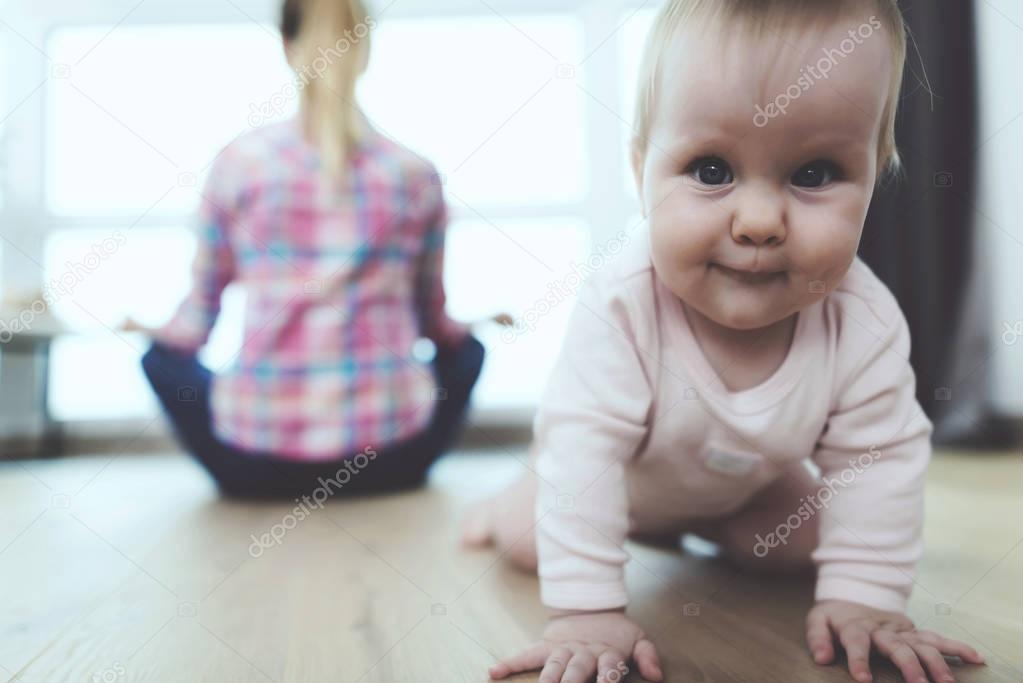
(522,556)
(517,543)
(774,561)
(769,550)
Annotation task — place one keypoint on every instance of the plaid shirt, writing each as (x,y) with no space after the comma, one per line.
(340,284)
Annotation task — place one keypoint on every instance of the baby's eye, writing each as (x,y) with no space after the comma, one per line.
(711,171)
(815,174)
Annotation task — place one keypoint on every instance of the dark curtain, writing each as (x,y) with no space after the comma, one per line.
(919,235)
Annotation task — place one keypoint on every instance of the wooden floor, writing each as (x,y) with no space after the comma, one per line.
(131,569)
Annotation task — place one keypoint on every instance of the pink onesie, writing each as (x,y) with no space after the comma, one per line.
(636,433)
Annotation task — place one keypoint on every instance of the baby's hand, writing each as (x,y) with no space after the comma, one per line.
(576,647)
(893,634)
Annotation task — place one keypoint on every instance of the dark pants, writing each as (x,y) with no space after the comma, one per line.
(182,385)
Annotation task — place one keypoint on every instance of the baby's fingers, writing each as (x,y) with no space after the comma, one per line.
(935,663)
(556,665)
(892,646)
(581,669)
(611,667)
(649,664)
(950,647)
(856,642)
(818,637)
(527,660)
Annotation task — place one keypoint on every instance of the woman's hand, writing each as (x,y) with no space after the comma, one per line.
(577,647)
(503,319)
(132,325)
(859,628)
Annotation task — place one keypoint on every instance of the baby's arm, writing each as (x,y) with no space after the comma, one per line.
(873,457)
(591,421)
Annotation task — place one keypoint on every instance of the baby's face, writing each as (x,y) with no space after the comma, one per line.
(754,218)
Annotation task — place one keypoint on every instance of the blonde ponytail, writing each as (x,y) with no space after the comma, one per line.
(328,45)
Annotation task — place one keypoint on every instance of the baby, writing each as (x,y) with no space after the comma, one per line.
(737,372)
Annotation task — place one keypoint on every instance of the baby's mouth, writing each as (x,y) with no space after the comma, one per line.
(747,277)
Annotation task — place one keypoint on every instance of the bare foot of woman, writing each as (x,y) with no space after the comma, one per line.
(505,521)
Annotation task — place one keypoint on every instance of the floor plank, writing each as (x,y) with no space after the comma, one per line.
(131,569)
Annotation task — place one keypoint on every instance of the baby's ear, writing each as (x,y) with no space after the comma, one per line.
(289,53)
(638,159)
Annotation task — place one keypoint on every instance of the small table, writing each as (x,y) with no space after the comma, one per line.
(24,388)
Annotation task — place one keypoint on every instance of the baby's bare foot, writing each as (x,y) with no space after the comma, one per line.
(477,528)
(505,521)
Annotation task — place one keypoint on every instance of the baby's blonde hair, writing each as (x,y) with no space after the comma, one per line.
(329,45)
(762,16)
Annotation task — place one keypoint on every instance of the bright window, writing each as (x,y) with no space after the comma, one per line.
(88,273)
(96,279)
(514,267)
(484,102)
(145,105)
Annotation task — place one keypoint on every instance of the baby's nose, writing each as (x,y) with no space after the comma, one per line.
(760,221)
(760,234)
